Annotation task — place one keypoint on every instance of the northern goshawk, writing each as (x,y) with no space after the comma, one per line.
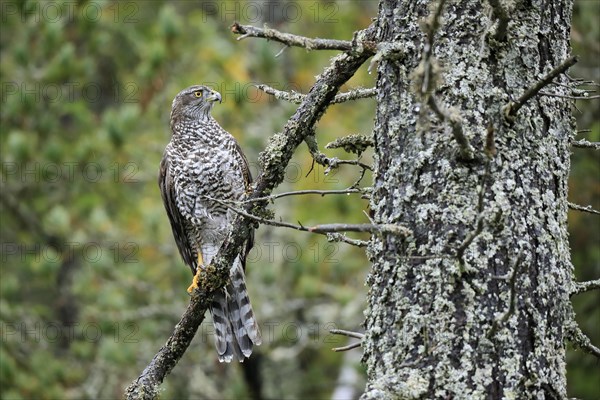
(203,162)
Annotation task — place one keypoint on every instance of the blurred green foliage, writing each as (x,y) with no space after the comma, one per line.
(91,281)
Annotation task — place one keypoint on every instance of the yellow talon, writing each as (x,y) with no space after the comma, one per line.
(196,278)
(194,284)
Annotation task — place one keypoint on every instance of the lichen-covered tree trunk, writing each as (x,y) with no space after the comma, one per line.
(473,304)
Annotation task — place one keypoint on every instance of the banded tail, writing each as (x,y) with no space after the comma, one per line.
(236,329)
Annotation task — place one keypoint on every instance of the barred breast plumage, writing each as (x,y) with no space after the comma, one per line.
(203,163)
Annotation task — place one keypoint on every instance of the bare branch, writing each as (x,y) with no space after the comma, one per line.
(432,257)
(387,51)
(356,144)
(323,228)
(292,97)
(334,162)
(579,339)
(343,332)
(351,334)
(348,347)
(372,228)
(585,144)
(511,110)
(434,24)
(581,287)
(460,252)
(588,209)
(281,51)
(355,94)
(566,96)
(330,163)
(367,191)
(299,41)
(322,193)
(428,78)
(296,98)
(339,237)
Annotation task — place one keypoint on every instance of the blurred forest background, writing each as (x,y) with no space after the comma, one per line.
(91,281)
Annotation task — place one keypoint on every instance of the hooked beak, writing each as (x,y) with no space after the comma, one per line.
(214,96)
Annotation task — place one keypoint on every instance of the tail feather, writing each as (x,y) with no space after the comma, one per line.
(242,339)
(236,329)
(223,335)
(244,308)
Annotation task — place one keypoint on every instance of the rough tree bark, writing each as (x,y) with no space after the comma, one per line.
(475,304)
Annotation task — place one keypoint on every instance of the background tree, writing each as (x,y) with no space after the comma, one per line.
(91,282)
(474,159)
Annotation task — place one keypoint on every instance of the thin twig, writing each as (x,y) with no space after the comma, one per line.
(297,41)
(343,332)
(588,209)
(460,252)
(387,51)
(322,193)
(333,162)
(586,144)
(351,334)
(433,257)
(348,347)
(511,109)
(434,24)
(581,287)
(339,237)
(330,163)
(429,77)
(297,98)
(282,50)
(323,228)
(292,97)
(566,96)
(372,228)
(579,339)
(366,191)
(355,94)
(466,150)
(356,143)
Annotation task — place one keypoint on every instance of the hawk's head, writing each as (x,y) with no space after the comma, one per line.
(194,103)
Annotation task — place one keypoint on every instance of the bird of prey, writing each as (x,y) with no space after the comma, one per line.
(202,169)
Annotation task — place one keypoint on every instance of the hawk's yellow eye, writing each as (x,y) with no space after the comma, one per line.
(198,94)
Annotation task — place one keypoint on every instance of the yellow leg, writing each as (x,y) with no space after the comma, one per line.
(199,267)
